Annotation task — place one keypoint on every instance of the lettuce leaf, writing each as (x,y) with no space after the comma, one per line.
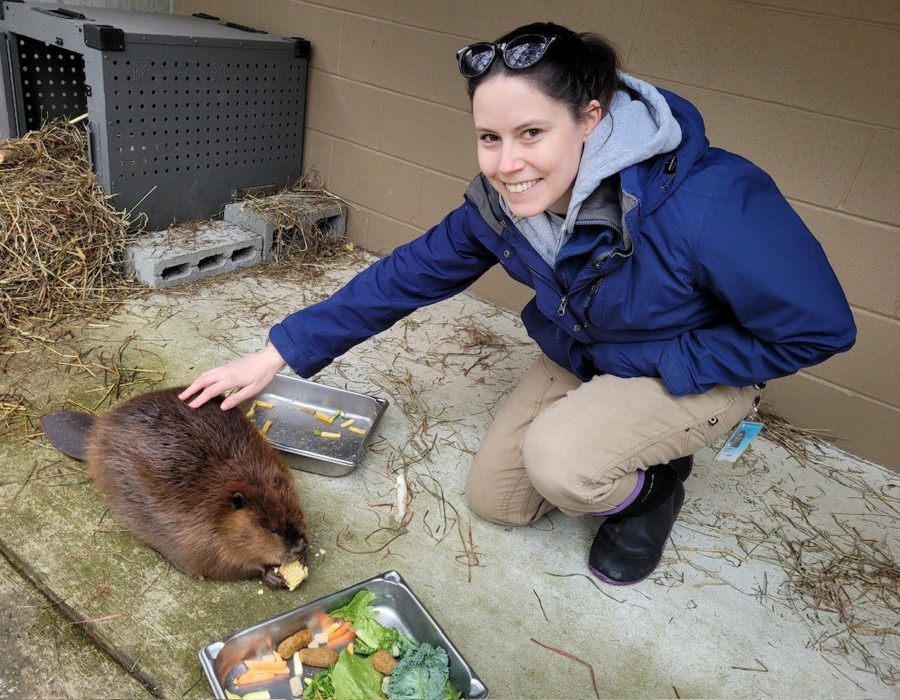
(371,635)
(354,678)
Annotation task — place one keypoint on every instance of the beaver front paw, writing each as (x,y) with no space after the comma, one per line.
(272,577)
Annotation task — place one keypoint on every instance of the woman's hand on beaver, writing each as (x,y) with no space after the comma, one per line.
(249,375)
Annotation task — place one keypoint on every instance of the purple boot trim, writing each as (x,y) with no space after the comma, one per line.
(628,501)
(613,582)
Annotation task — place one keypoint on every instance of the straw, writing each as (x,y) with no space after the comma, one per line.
(61,238)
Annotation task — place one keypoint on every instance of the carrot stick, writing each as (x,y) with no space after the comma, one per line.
(254,677)
(277,667)
(348,636)
(340,630)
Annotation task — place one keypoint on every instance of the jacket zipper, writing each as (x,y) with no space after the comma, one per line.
(502,218)
(563,298)
(593,293)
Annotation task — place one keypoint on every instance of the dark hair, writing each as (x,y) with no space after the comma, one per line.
(576,69)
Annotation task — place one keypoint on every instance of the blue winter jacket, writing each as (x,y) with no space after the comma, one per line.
(709,278)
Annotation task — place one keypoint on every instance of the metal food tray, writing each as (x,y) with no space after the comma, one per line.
(397,607)
(294,404)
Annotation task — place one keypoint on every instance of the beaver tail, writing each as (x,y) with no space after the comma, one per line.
(67,431)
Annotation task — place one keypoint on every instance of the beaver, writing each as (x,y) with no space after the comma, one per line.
(201,486)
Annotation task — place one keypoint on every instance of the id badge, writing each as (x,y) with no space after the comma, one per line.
(739,441)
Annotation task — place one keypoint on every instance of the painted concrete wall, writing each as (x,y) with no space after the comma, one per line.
(808,89)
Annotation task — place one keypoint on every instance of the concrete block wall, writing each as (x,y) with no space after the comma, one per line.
(242,238)
(330,219)
(808,89)
(163,259)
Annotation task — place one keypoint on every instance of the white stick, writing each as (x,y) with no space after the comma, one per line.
(402,493)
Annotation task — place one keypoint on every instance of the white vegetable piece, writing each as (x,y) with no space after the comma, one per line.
(402,494)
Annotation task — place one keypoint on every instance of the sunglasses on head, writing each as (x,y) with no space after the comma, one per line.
(518,53)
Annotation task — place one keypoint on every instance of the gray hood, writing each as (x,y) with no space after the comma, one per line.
(635,129)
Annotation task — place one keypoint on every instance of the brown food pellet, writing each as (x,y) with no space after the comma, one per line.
(383,662)
(295,642)
(321,658)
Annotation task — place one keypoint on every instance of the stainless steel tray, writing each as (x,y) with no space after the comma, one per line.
(294,404)
(397,607)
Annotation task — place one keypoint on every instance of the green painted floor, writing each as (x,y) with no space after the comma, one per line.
(774,583)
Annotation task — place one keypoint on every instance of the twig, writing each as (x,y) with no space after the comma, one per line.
(573,658)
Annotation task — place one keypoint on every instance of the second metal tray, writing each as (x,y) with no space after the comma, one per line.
(397,607)
(295,401)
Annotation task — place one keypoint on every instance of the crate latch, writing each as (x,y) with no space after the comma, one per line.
(243,28)
(104,37)
(302,47)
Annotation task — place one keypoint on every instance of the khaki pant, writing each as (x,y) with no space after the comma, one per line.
(577,446)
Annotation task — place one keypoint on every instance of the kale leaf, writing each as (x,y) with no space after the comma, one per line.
(422,674)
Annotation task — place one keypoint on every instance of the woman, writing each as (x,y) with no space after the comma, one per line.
(671,280)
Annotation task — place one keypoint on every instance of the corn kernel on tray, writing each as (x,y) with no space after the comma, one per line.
(316,428)
(397,606)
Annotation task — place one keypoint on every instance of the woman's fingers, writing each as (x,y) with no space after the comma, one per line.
(248,375)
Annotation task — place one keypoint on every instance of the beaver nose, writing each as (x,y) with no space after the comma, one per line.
(299,548)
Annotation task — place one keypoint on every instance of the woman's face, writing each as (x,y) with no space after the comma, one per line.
(529,146)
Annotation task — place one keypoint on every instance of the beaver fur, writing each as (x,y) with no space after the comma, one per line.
(200,486)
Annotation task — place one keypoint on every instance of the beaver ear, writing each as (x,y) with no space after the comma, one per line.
(237,501)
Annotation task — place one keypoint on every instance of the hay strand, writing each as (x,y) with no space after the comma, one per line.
(296,232)
(61,240)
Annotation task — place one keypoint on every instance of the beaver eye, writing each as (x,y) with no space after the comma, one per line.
(273,530)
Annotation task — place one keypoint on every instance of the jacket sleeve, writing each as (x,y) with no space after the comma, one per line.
(438,264)
(788,310)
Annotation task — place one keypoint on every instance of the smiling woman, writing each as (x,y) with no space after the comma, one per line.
(529,146)
(666,292)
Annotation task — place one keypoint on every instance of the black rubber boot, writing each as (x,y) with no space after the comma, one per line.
(683,466)
(629,545)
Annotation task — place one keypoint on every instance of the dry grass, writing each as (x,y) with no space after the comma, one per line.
(801,443)
(61,239)
(296,234)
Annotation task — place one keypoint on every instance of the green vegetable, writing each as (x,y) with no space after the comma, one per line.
(258,695)
(371,635)
(354,678)
(423,674)
(320,687)
(254,695)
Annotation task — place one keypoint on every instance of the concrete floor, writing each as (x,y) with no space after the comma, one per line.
(779,580)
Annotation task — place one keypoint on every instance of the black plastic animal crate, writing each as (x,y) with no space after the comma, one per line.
(185,114)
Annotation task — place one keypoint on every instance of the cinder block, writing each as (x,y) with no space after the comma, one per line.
(330,217)
(177,256)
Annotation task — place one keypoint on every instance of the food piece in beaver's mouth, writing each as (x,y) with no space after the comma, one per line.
(294,573)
